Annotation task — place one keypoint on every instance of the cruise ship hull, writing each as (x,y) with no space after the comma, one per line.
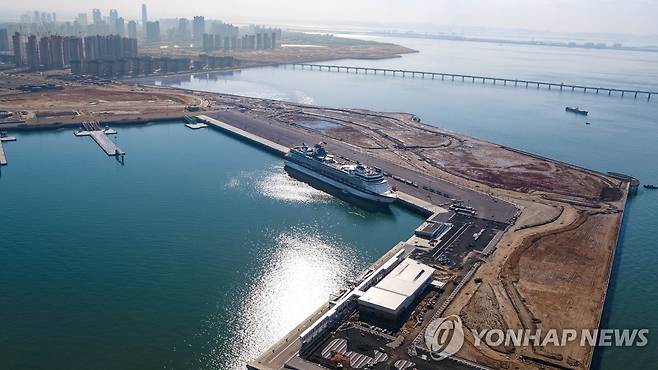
(386,199)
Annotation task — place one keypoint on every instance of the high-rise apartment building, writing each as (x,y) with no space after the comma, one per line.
(183,32)
(4,40)
(198,29)
(19,50)
(145,17)
(32,53)
(152,32)
(132,29)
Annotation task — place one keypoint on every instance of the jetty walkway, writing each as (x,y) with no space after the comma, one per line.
(99,135)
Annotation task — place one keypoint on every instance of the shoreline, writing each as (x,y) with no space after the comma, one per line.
(176,116)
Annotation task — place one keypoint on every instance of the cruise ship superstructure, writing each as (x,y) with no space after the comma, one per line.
(356,179)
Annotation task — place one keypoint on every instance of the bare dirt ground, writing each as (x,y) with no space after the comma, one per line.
(295,53)
(550,269)
(77,102)
(482,313)
(458,155)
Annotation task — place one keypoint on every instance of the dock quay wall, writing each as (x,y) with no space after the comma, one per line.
(258,141)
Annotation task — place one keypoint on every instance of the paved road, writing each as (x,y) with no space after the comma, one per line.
(487,207)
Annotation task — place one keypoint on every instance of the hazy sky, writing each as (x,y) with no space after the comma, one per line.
(602,16)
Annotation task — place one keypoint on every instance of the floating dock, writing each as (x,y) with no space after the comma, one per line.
(196,126)
(101,138)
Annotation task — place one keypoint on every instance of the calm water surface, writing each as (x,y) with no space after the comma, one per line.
(622,134)
(198,253)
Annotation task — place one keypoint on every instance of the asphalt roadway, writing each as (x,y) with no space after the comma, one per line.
(486,206)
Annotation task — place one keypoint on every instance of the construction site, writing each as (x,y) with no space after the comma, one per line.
(512,240)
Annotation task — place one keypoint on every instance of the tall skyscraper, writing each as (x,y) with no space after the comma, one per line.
(145,17)
(183,32)
(32,53)
(57,52)
(82,19)
(120,27)
(4,40)
(96,16)
(114,15)
(19,51)
(45,52)
(152,31)
(132,29)
(198,29)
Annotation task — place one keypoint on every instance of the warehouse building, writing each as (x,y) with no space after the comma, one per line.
(393,294)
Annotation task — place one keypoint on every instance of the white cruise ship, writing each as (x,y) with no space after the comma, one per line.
(352,178)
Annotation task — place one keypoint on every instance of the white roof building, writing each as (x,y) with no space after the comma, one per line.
(397,290)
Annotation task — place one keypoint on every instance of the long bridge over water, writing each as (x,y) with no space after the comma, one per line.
(475,78)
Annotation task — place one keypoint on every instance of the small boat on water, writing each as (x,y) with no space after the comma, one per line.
(652,187)
(577,111)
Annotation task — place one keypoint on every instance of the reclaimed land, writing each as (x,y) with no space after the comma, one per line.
(298,47)
(550,269)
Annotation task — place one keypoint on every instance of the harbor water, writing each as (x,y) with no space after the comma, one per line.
(198,252)
(621,135)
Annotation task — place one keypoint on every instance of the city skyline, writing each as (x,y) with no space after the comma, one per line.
(632,17)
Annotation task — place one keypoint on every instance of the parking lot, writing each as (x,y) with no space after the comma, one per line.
(467,234)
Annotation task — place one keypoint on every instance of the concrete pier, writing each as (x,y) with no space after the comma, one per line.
(3,159)
(109,147)
(417,205)
(101,138)
(493,80)
(254,139)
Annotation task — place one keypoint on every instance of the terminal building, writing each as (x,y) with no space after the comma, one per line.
(393,294)
(433,230)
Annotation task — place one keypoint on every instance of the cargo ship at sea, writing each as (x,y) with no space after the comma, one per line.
(576,111)
(356,179)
